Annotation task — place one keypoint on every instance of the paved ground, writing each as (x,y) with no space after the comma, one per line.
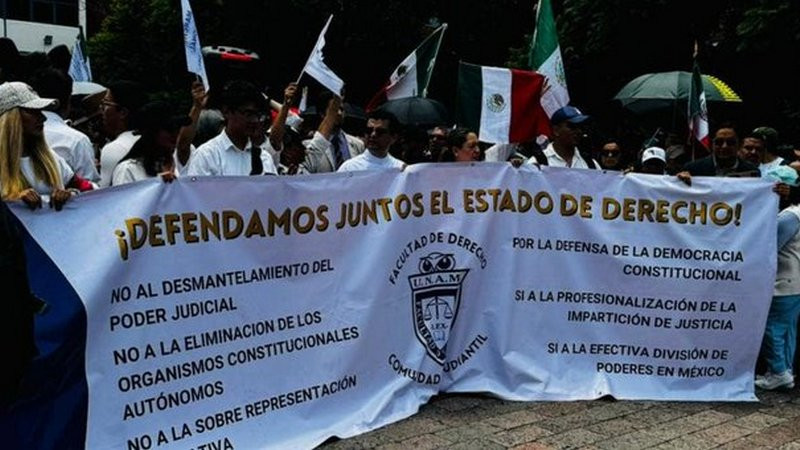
(475,422)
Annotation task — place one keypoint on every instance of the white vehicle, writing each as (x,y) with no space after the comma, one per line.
(40,25)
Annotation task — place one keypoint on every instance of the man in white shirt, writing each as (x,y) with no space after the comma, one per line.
(70,144)
(563,150)
(232,153)
(120,106)
(381,134)
(330,146)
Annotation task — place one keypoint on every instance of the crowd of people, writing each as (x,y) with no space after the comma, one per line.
(49,153)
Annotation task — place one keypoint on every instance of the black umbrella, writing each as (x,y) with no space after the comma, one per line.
(417,111)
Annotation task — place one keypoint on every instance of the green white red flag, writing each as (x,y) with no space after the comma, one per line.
(698,113)
(545,58)
(412,76)
(502,105)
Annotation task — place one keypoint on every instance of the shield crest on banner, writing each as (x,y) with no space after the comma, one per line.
(435,300)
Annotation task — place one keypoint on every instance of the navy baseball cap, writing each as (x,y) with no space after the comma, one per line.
(568,113)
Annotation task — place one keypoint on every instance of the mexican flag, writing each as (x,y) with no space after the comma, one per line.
(545,58)
(411,77)
(698,114)
(502,105)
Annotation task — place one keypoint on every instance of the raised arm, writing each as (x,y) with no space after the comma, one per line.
(279,126)
(186,134)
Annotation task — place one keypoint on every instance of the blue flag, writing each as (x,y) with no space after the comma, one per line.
(191,42)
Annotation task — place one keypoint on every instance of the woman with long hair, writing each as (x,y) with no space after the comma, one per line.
(29,170)
(154,153)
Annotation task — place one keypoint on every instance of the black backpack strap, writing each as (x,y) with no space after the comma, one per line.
(589,161)
(540,157)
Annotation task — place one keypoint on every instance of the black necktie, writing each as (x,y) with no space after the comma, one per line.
(337,151)
(256,166)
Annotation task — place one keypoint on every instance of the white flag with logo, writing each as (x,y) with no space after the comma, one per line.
(79,65)
(191,42)
(316,67)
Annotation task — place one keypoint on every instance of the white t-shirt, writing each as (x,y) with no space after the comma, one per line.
(72,145)
(40,186)
(368,161)
(220,156)
(112,153)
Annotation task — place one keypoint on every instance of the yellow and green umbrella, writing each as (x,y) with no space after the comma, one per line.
(657,91)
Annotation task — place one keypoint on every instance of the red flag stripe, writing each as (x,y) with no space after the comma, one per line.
(528,118)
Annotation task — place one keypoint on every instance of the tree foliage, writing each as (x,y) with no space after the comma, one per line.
(751,44)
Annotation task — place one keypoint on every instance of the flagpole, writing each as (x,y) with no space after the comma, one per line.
(691,129)
(443,28)
(535,33)
(5,18)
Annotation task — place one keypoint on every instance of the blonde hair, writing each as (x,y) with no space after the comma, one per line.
(12,141)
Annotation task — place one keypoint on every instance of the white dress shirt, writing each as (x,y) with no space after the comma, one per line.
(70,144)
(112,153)
(220,156)
(555,160)
(368,161)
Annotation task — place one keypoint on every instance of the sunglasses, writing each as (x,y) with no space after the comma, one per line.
(720,142)
(611,154)
(379,131)
(105,104)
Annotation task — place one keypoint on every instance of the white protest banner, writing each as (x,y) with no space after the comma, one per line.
(277,312)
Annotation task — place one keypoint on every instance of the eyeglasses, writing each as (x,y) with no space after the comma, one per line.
(722,141)
(379,131)
(252,115)
(611,154)
(105,104)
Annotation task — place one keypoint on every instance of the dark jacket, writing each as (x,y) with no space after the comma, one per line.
(16,318)
(706,167)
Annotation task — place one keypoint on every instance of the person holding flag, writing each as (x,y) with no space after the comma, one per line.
(330,146)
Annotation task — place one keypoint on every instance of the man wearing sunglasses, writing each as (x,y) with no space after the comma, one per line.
(232,153)
(563,150)
(724,159)
(381,134)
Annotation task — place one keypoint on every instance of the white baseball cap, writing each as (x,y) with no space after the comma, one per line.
(654,153)
(15,94)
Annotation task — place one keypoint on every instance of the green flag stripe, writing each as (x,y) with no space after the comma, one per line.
(468,101)
(545,37)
